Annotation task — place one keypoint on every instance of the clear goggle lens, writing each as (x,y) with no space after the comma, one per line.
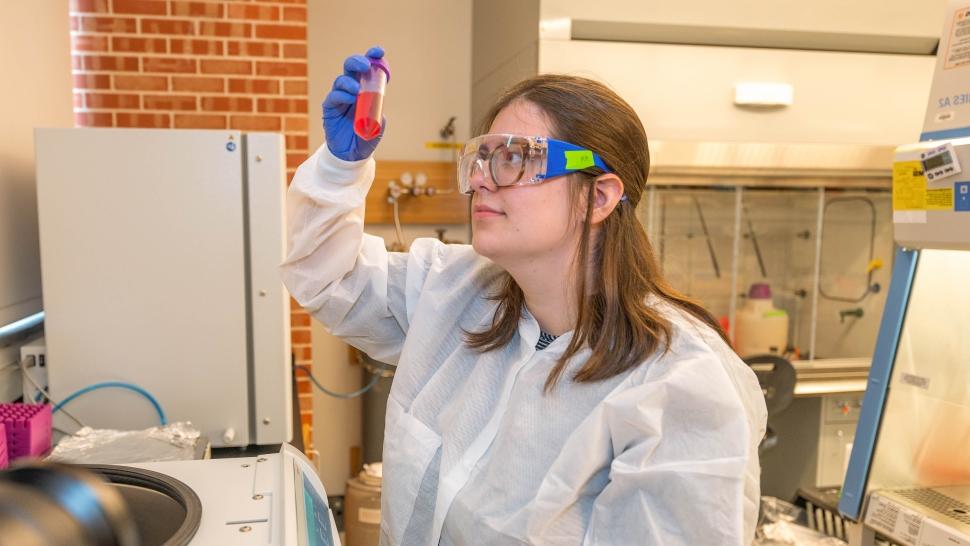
(503,160)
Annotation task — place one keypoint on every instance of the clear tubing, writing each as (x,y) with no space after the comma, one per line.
(370,103)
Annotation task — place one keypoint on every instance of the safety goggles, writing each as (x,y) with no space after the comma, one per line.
(512,160)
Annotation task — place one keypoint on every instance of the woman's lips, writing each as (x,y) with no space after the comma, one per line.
(484,211)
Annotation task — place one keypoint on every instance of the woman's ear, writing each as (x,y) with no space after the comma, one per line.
(607,192)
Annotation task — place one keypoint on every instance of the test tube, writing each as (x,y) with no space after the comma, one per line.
(370,100)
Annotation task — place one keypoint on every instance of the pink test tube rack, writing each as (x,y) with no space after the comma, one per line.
(3,447)
(28,429)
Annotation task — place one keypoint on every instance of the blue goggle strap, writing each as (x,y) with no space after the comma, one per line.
(564,158)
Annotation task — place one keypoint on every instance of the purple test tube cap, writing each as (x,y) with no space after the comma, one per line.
(382,64)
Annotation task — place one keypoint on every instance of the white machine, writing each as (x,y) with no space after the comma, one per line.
(274,500)
(159,253)
(909,474)
(269,500)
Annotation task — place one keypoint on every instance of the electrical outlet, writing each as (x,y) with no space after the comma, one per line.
(37,369)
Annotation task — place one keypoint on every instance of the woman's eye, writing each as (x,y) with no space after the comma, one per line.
(510,156)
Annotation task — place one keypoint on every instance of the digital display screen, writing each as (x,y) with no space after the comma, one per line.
(313,514)
(937,161)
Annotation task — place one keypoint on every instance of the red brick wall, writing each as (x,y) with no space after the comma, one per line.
(198,65)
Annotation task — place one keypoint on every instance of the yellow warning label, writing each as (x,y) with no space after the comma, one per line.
(941,199)
(909,186)
(442,145)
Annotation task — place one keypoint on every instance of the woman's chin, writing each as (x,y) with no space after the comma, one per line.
(485,244)
(482,247)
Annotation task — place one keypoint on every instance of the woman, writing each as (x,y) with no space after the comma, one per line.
(551,388)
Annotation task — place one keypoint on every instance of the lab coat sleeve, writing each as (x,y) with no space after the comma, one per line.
(344,278)
(681,447)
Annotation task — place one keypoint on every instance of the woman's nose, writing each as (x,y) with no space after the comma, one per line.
(480,178)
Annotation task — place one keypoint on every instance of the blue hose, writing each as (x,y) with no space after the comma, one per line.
(120,385)
(344,396)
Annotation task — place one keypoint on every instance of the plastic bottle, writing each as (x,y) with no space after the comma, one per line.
(370,100)
(362,512)
(760,328)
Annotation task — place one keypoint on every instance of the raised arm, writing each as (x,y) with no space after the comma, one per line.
(344,278)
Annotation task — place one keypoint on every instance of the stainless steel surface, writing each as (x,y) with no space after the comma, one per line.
(21,327)
(831,376)
(770,164)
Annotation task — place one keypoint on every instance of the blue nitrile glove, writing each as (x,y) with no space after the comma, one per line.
(339,106)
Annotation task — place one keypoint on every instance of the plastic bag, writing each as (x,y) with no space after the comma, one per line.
(778,526)
(172,442)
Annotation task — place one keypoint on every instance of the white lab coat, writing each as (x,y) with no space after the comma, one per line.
(474,451)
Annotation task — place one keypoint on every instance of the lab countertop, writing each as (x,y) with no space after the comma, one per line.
(831,376)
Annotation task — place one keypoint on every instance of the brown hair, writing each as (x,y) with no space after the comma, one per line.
(614,320)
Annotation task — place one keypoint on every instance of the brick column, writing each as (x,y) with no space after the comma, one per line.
(198,65)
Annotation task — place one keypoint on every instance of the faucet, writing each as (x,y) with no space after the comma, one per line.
(854,312)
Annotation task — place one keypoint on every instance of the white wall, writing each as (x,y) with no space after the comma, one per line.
(428,45)
(336,422)
(882,17)
(35,60)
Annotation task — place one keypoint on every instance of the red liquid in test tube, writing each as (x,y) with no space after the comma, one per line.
(367,118)
(370,100)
